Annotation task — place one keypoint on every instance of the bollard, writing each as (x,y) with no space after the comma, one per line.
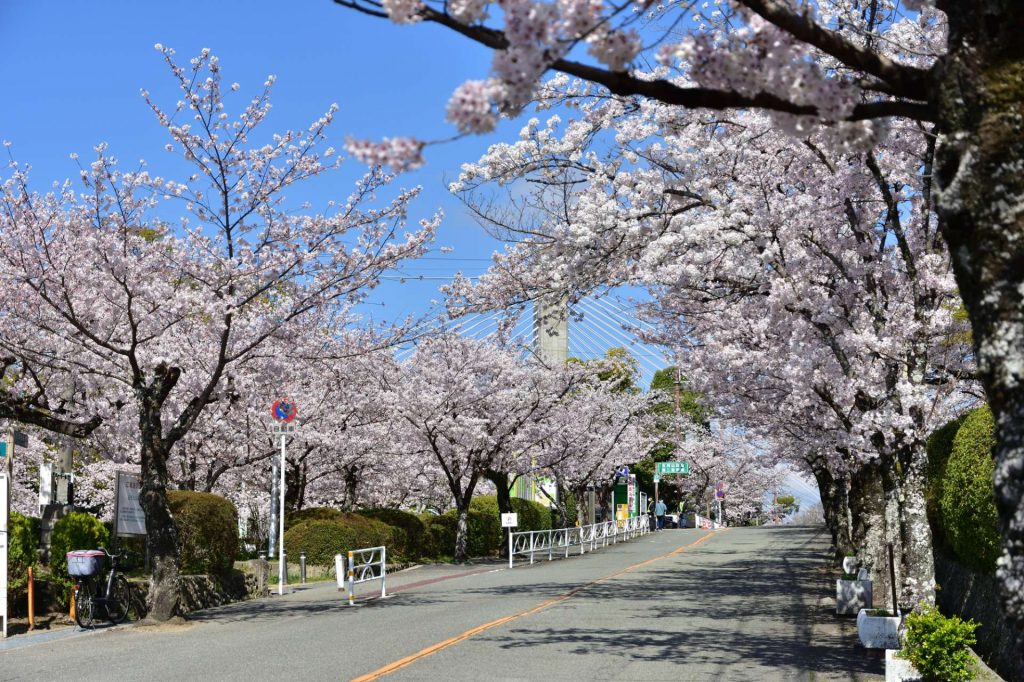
(31,601)
(351,580)
(302,567)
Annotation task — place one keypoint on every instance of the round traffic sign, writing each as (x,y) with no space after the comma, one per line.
(284,410)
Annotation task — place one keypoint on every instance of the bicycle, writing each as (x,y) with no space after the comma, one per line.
(93,598)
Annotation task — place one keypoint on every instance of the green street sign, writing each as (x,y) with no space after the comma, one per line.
(668,468)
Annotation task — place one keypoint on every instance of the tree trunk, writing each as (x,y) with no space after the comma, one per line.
(462,531)
(917,585)
(867,513)
(161,531)
(501,485)
(980,185)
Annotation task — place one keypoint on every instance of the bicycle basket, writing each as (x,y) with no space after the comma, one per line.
(85,562)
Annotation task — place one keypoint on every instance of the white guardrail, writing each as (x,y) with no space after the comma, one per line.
(364,565)
(558,542)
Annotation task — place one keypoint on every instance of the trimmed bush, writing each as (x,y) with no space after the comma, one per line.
(939,447)
(207,531)
(322,539)
(21,552)
(439,536)
(311,514)
(532,515)
(483,530)
(939,647)
(77,530)
(413,529)
(968,497)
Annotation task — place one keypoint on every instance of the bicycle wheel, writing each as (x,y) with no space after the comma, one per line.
(85,607)
(118,600)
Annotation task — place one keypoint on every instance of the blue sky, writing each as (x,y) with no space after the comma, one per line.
(72,73)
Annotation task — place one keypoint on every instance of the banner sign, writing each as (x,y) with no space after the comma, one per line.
(128,516)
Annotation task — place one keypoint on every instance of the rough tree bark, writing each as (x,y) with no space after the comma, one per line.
(161,531)
(980,199)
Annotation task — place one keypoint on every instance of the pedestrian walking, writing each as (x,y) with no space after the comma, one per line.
(659,513)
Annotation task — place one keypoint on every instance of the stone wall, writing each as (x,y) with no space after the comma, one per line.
(968,594)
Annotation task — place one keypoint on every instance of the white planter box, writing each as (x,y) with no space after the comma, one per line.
(850,564)
(852,596)
(899,669)
(878,632)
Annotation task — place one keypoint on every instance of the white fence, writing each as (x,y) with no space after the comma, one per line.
(364,565)
(560,542)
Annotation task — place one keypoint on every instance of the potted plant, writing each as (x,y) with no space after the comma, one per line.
(935,648)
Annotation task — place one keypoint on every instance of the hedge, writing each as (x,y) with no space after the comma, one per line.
(322,539)
(532,515)
(413,528)
(294,518)
(483,532)
(968,497)
(77,530)
(939,447)
(439,535)
(207,531)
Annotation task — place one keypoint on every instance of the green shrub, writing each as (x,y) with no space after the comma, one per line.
(483,531)
(968,497)
(77,530)
(207,531)
(294,518)
(322,539)
(439,535)
(939,447)
(23,542)
(939,647)
(532,515)
(412,526)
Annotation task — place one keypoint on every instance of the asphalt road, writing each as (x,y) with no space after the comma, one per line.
(739,604)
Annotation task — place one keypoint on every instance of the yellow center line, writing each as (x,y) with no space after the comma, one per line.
(434,648)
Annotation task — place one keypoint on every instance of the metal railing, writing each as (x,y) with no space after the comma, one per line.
(559,542)
(372,565)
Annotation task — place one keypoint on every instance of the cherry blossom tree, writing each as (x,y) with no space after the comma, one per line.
(795,281)
(466,407)
(849,67)
(149,292)
(584,438)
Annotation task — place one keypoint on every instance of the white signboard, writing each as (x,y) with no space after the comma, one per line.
(45,484)
(128,515)
(509,520)
(3,553)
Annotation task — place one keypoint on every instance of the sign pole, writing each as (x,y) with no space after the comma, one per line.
(281,568)
(4,508)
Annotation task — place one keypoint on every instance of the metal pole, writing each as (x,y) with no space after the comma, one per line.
(383,571)
(272,525)
(302,567)
(510,543)
(281,567)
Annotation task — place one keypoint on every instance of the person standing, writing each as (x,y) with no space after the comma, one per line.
(659,513)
